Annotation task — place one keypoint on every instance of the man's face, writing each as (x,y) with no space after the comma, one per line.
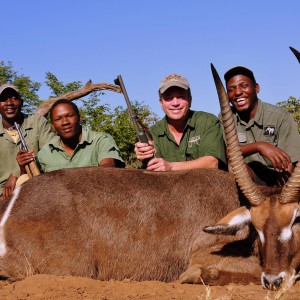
(10,105)
(66,121)
(242,93)
(175,102)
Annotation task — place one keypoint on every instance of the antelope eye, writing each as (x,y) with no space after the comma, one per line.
(297,220)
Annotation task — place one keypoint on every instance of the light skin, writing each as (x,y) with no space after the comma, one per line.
(66,122)
(242,93)
(176,103)
(10,110)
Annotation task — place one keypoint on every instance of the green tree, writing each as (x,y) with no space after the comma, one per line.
(28,88)
(292,105)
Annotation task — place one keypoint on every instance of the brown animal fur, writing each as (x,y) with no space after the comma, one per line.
(118,223)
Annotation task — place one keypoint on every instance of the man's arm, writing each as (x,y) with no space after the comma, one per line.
(107,162)
(9,186)
(279,159)
(159,164)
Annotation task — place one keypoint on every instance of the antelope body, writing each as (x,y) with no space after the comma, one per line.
(116,223)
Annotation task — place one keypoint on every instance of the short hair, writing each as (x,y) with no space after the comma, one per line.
(239,70)
(64,101)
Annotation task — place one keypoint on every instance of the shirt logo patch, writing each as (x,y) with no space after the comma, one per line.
(269,130)
(194,141)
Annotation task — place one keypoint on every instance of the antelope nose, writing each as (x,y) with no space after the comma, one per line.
(272,282)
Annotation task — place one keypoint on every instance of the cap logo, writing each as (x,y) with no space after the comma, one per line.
(173,77)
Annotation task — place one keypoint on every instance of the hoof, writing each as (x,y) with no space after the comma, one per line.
(192,275)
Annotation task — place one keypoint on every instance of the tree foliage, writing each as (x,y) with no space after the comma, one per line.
(292,105)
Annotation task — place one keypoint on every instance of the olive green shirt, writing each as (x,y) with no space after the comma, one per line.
(93,147)
(202,136)
(36,132)
(273,125)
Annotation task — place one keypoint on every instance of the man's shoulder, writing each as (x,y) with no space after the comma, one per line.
(158,126)
(203,114)
(271,108)
(91,134)
(34,120)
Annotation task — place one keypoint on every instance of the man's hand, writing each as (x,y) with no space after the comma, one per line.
(144,150)
(279,159)
(9,186)
(24,158)
(158,164)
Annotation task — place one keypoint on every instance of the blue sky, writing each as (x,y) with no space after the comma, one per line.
(146,40)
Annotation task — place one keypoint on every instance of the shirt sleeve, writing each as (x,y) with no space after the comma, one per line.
(45,132)
(213,144)
(289,138)
(107,148)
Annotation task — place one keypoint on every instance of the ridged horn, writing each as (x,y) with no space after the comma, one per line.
(291,190)
(297,53)
(248,187)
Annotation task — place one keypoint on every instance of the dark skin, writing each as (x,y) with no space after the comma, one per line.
(242,93)
(10,110)
(66,122)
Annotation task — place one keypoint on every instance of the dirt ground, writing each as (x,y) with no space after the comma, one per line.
(67,287)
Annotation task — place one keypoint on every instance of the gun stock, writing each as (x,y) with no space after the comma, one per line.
(31,169)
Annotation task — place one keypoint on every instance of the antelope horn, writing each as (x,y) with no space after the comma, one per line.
(291,190)
(248,187)
(297,53)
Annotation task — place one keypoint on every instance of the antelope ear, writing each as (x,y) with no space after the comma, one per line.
(231,224)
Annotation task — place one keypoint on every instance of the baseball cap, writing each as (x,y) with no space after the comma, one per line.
(239,70)
(173,80)
(8,86)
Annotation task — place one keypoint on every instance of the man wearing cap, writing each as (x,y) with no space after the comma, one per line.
(183,139)
(269,138)
(35,129)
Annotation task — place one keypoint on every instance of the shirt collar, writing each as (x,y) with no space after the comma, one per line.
(86,138)
(258,118)
(26,124)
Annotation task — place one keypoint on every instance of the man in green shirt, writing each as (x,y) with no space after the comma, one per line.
(268,136)
(35,129)
(74,146)
(183,139)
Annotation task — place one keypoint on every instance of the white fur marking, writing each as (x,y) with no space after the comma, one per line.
(240,219)
(5,218)
(261,236)
(286,233)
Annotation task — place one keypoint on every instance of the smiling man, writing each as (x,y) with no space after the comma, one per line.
(73,146)
(268,136)
(35,129)
(183,139)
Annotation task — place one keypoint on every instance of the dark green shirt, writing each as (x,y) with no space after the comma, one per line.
(202,137)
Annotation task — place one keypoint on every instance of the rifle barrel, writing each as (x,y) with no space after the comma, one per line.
(140,133)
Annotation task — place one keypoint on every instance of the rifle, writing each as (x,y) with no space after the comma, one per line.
(31,169)
(143,134)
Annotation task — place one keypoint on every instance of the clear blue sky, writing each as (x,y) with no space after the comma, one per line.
(146,40)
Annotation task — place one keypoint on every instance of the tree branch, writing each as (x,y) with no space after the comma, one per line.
(89,87)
